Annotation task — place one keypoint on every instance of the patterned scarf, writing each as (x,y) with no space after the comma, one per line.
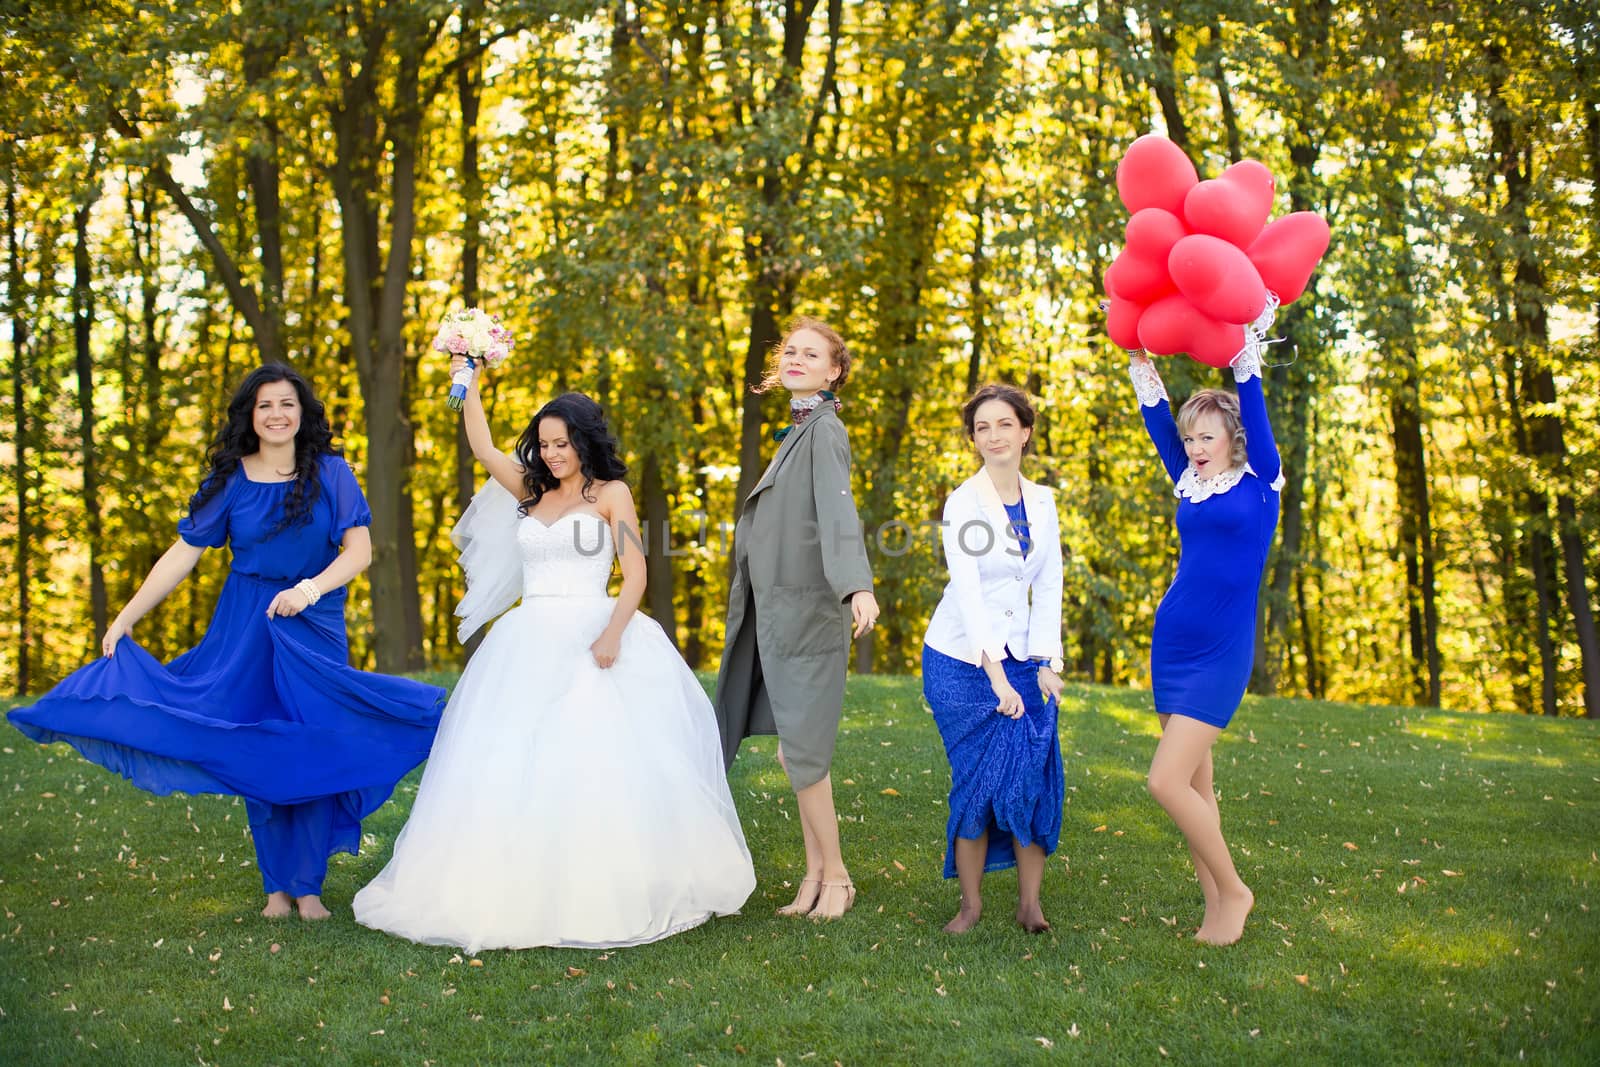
(800,410)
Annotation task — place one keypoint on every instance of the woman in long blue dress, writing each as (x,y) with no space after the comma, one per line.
(266,706)
(991,664)
(1224,465)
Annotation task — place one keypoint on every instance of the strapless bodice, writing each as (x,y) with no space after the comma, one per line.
(570,557)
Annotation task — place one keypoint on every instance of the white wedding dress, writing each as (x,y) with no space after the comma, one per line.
(563,804)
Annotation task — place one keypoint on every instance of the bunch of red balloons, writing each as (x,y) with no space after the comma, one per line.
(1201,257)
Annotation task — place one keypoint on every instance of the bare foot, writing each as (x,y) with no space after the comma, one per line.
(278,906)
(834,900)
(805,899)
(1031,916)
(966,918)
(1226,925)
(311,908)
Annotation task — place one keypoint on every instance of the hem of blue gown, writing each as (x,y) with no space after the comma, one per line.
(1006,860)
(1198,716)
(131,763)
(297,893)
(162,775)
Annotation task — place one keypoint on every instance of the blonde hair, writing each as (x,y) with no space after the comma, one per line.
(838,351)
(1225,406)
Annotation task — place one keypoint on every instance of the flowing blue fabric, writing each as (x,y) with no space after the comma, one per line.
(269,710)
(1203,645)
(1006,776)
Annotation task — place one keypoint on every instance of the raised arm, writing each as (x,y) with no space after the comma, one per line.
(501,467)
(1259,444)
(1157,412)
(171,569)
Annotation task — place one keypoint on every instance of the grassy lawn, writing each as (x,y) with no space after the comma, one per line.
(1425,884)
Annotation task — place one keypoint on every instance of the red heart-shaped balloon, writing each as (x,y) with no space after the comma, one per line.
(1122,322)
(1287,252)
(1151,233)
(1234,206)
(1154,172)
(1218,278)
(1135,278)
(1172,324)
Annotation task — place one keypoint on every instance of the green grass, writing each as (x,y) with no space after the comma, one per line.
(1425,884)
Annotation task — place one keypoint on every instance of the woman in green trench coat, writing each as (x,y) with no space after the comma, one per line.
(802,588)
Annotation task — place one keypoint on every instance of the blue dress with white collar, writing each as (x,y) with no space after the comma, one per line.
(1203,646)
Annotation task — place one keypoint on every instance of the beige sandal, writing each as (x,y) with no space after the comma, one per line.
(796,908)
(849,900)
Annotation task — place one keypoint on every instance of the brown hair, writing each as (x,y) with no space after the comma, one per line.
(1225,406)
(1011,395)
(837,350)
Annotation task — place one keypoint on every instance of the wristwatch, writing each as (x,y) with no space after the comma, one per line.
(1054,663)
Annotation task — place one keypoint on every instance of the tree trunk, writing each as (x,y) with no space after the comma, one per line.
(82,324)
(658,544)
(979,305)
(469,88)
(1544,441)
(1165,83)
(1291,396)
(773,283)
(23,564)
(375,290)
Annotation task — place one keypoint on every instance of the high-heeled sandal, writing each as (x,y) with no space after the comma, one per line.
(849,900)
(795,907)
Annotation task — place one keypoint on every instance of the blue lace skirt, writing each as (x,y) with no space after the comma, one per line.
(1006,777)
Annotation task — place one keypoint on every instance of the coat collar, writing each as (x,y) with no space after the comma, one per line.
(989,496)
(790,442)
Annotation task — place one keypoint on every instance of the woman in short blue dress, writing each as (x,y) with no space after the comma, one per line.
(1224,465)
(266,706)
(991,664)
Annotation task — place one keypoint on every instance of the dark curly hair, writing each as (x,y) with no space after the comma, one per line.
(590,436)
(238,439)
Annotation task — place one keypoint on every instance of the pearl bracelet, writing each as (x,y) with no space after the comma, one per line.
(309,590)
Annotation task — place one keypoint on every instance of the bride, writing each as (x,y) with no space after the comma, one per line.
(575,794)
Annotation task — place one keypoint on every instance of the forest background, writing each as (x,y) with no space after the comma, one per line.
(646,192)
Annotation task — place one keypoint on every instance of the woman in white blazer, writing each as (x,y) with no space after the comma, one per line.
(991,663)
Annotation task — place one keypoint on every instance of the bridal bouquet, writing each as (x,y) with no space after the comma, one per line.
(477,335)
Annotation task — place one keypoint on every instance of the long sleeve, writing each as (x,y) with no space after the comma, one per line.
(1158,421)
(1260,446)
(1044,616)
(844,546)
(966,581)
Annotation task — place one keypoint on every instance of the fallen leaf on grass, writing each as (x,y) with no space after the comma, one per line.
(899,866)
(1045,1042)
(275,948)
(575,972)
(1451,874)
(890,792)
(1073,1031)
(1303,979)
(1099,829)
(225,1005)
(1351,845)
(475,963)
